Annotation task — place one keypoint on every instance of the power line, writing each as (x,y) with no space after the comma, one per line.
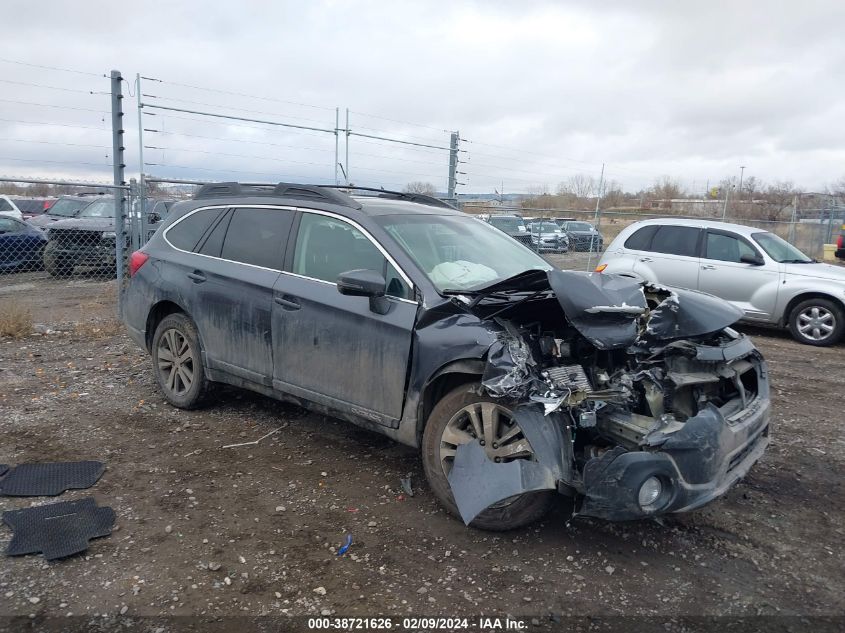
(238,140)
(49,105)
(25,140)
(200,151)
(384,118)
(54,162)
(64,70)
(227,107)
(26,83)
(68,125)
(238,94)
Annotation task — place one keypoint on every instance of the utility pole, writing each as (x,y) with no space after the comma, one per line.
(741,174)
(453,165)
(119,169)
(347,148)
(727,195)
(336,137)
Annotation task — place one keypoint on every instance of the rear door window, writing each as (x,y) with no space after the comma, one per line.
(676,240)
(187,233)
(5,206)
(212,243)
(257,236)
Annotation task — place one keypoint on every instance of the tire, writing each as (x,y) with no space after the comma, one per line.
(508,515)
(56,264)
(819,322)
(184,383)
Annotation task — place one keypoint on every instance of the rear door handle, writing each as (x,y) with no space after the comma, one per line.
(197,276)
(287,302)
(646,259)
(708,267)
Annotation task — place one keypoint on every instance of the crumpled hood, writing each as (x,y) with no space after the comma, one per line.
(614,312)
(818,271)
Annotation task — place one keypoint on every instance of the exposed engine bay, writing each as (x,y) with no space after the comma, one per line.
(624,368)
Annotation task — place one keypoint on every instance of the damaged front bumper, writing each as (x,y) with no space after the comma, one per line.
(695,465)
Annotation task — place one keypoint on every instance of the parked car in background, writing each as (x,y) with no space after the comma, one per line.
(412,319)
(32,207)
(546,235)
(513,225)
(766,277)
(561,221)
(63,208)
(87,239)
(157,211)
(21,245)
(9,209)
(840,243)
(583,236)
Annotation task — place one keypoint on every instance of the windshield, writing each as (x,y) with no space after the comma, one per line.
(579,226)
(66,207)
(545,227)
(507,224)
(780,250)
(459,253)
(98,209)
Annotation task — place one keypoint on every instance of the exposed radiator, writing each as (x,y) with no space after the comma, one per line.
(571,377)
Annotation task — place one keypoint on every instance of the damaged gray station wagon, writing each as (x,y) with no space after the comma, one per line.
(400,314)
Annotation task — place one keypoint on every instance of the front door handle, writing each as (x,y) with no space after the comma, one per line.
(197,276)
(708,267)
(287,302)
(646,259)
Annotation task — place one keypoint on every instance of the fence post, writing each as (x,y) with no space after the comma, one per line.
(453,165)
(597,217)
(119,168)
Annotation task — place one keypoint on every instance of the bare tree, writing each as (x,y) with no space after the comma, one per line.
(418,186)
(579,185)
(776,199)
(667,189)
(837,188)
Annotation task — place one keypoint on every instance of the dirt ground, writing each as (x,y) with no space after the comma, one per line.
(210,531)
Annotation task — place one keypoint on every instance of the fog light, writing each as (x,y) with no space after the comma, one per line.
(650,492)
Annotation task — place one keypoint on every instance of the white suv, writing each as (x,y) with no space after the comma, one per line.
(770,280)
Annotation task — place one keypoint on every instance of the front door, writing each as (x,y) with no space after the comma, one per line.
(331,348)
(750,287)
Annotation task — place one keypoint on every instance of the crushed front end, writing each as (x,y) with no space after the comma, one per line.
(638,400)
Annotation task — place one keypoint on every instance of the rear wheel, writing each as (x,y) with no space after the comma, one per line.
(56,263)
(818,322)
(177,362)
(461,417)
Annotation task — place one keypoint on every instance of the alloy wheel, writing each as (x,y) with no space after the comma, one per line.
(493,426)
(176,362)
(816,323)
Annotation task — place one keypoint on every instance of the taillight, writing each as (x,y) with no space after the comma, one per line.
(136,260)
(840,241)
(600,268)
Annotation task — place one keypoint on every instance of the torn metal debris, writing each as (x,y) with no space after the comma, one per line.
(636,398)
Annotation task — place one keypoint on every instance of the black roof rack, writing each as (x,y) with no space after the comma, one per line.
(280,190)
(395,195)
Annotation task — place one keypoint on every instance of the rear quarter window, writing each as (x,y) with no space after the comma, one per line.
(186,233)
(641,239)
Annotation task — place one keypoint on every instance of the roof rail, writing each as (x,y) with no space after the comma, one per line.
(395,195)
(279,190)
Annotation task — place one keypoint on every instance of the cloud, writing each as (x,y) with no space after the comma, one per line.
(539,90)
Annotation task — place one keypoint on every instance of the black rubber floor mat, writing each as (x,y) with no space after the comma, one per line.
(58,529)
(49,480)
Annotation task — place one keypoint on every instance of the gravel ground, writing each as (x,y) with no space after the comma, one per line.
(253,530)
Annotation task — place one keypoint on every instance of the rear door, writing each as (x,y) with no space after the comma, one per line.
(331,348)
(750,287)
(671,258)
(228,282)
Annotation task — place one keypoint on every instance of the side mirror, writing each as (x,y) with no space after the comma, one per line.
(153,218)
(365,283)
(754,260)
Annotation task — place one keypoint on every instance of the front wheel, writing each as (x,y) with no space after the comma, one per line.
(57,264)
(463,416)
(818,322)
(177,362)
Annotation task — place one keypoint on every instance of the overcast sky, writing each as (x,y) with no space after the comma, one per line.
(538,90)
